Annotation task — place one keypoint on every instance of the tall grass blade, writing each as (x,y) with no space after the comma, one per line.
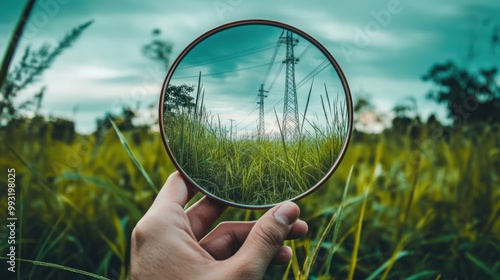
(318,246)
(337,226)
(336,217)
(201,105)
(412,194)
(42,251)
(294,263)
(14,40)
(386,264)
(483,266)
(197,96)
(132,156)
(328,98)
(393,259)
(301,139)
(357,239)
(282,133)
(62,267)
(307,105)
(324,109)
(426,274)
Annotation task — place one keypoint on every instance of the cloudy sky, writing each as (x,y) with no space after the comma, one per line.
(235,63)
(383,47)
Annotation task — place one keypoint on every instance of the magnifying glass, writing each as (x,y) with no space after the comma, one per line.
(255,112)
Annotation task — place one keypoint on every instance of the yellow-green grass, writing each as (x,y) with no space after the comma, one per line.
(431,211)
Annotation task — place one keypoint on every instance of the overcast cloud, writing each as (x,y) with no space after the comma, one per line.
(384,47)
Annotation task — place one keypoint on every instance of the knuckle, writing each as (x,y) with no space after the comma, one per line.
(140,232)
(270,236)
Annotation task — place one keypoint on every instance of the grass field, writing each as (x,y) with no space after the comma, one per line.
(256,169)
(420,204)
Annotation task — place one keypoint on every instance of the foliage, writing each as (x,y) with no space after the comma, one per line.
(270,169)
(475,97)
(421,200)
(27,71)
(431,210)
(14,40)
(124,121)
(178,99)
(158,49)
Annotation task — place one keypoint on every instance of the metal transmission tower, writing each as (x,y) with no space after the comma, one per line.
(262,94)
(232,132)
(290,109)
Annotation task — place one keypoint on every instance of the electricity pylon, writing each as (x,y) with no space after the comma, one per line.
(290,109)
(232,132)
(262,94)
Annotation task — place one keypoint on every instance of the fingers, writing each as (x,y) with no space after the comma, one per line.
(283,256)
(299,230)
(175,190)
(266,238)
(225,240)
(203,214)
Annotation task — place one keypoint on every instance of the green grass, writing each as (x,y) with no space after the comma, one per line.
(257,170)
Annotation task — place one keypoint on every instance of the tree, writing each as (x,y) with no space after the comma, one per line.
(123,120)
(406,118)
(474,97)
(158,49)
(178,99)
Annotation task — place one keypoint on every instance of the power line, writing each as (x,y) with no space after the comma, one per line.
(322,66)
(281,67)
(304,51)
(274,106)
(262,93)
(222,72)
(311,75)
(247,126)
(253,110)
(273,57)
(231,56)
(316,71)
(276,77)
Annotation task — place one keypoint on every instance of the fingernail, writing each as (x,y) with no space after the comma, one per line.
(286,213)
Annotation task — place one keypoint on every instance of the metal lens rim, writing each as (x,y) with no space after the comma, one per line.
(274,24)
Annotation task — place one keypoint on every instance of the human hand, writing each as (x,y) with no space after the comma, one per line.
(170,243)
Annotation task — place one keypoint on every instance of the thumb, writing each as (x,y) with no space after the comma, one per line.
(266,238)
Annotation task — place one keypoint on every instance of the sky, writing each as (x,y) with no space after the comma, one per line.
(235,63)
(383,47)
